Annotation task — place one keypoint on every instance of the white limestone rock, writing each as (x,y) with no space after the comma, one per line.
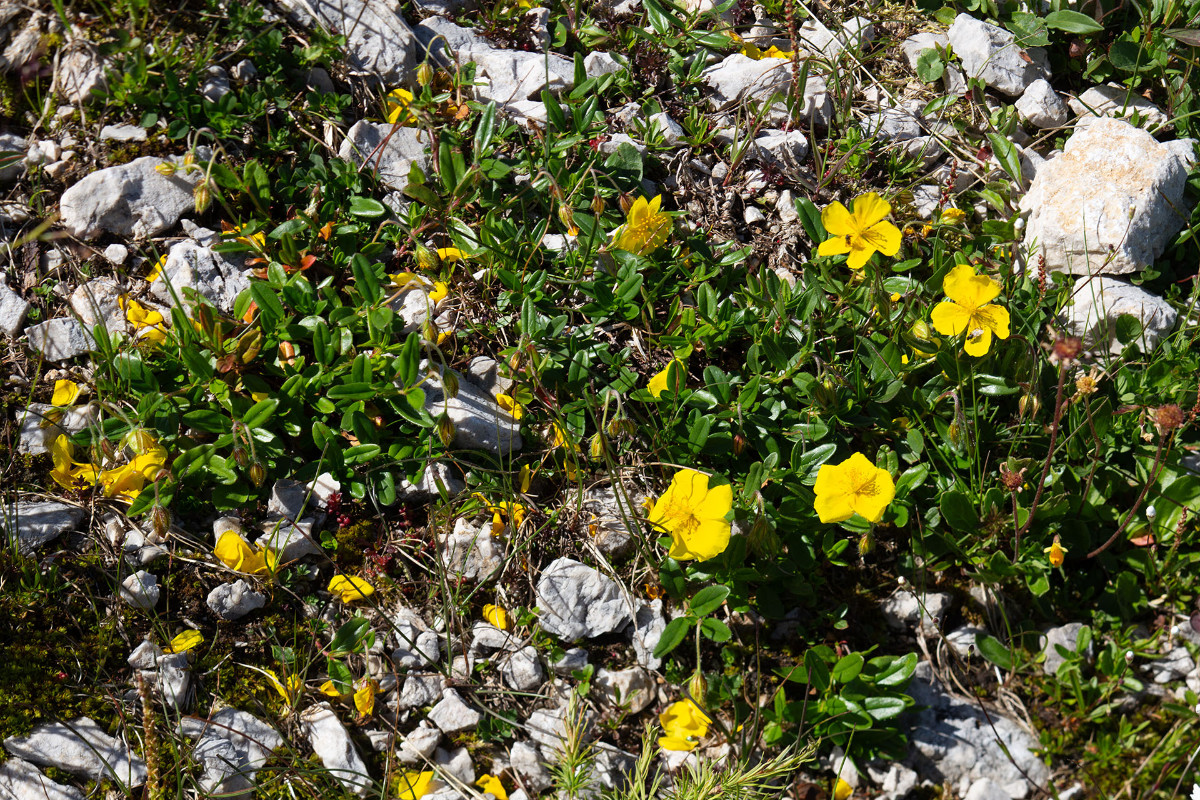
(97,302)
(122,133)
(905,611)
(438,475)
(128,200)
(599,63)
(630,689)
(522,670)
(379,42)
(12,143)
(333,745)
(13,308)
(1114,100)
(39,523)
(191,266)
(672,132)
(1042,107)
(232,601)
(1114,187)
(290,540)
(420,690)
(471,552)
(59,339)
(784,148)
(80,72)
(649,624)
(20,780)
(81,748)
(452,715)
(216,84)
(419,744)
(573,660)
(140,590)
(479,422)
(526,761)
(990,53)
(577,601)
(738,78)
(1066,637)
(1098,303)
(364,145)
(175,680)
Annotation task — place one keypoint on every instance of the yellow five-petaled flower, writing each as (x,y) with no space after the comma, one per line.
(968,309)
(861,232)
(855,486)
(693,514)
(684,724)
(646,228)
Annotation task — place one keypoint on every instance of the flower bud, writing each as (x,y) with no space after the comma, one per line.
(762,538)
(202,196)
(598,447)
(566,215)
(425,74)
(1151,513)
(287,352)
(866,544)
(597,204)
(450,382)
(739,444)
(445,431)
(427,260)
(625,202)
(189,159)
(160,520)
(257,474)
(824,395)
(166,169)
(1029,405)
(698,688)
(241,457)
(921,331)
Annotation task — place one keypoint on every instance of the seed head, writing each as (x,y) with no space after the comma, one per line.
(1167,418)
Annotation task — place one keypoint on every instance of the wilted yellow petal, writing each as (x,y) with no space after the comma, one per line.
(491,784)
(364,697)
(184,641)
(350,588)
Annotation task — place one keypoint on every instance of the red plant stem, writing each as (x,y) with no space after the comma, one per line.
(1154,473)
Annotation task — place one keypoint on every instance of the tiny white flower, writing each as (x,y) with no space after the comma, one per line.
(1196,791)
(1151,513)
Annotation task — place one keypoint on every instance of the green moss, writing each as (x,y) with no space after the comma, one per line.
(59,653)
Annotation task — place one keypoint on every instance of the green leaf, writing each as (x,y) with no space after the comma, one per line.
(812,460)
(340,675)
(847,668)
(708,600)
(627,159)
(367,207)
(715,629)
(930,65)
(260,412)
(207,421)
(994,651)
(1128,328)
(1030,30)
(1008,155)
(883,707)
(818,670)
(269,308)
(894,670)
(351,391)
(675,632)
(350,637)
(1130,57)
(959,512)
(1072,22)
(484,132)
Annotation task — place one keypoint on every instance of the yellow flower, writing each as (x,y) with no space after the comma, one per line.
(490,784)
(184,642)
(497,616)
(842,790)
(145,321)
(860,233)
(156,271)
(414,785)
(398,103)
(525,478)
(127,481)
(952,216)
(684,725)
(233,551)
(855,486)
(1057,553)
(658,384)
(501,512)
(67,472)
(509,404)
(329,690)
(449,255)
(693,514)
(440,290)
(350,588)
(967,310)
(752,51)
(65,393)
(291,693)
(646,228)
(258,240)
(401,280)
(364,697)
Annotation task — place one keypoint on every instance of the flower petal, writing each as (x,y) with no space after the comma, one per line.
(884,237)
(837,220)
(996,318)
(978,342)
(833,508)
(836,246)
(950,319)
(860,254)
(65,393)
(869,209)
(965,287)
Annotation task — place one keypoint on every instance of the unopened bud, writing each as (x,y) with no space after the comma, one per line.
(1029,405)
(202,196)
(166,169)
(425,74)
(739,444)
(427,259)
(621,426)
(160,519)
(189,159)
(1128,656)
(257,474)
(625,202)
(901,580)
(597,204)
(450,382)
(762,538)
(824,395)
(445,431)
(920,331)
(566,215)
(241,457)
(698,688)
(287,352)
(866,544)
(1151,513)
(598,446)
